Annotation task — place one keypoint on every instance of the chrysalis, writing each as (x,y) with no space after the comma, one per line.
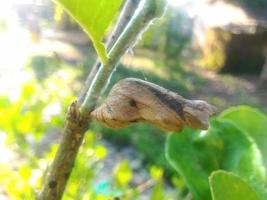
(133,100)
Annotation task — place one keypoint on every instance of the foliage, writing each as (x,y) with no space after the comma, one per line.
(230,145)
(94,17)
(123,174)
(225,185)
(29,122)
(251,121)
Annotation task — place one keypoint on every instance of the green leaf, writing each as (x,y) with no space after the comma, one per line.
(94,16)
(123,173)
(251,121)
(100,152)
(157,192)
(240,153)
(156,173)
(196,154)
(225,185)
(185,156)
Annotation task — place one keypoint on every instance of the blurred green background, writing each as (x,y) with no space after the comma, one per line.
(212,50)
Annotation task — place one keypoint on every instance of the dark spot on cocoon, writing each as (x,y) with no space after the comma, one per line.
(132,103)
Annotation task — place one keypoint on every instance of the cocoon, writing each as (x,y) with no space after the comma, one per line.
(133,100)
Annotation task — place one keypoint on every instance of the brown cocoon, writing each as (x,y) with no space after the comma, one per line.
(133,100)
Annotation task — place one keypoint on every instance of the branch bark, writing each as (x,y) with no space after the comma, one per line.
(60,170)
(78,117)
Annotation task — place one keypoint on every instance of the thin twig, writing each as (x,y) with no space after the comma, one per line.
(125,16)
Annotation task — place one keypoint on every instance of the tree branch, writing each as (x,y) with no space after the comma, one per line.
(78,118)
(60,170)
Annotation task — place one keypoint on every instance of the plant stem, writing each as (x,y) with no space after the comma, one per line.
(125,16)
(144,15)
(78,118)
(63,163)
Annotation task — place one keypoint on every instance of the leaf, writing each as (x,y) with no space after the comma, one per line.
(94,16)
(251,121)
(100,152)
(240,153)
(123,173)
(196,154)
(156,173)
(184,156)
(225,185)
(157,192)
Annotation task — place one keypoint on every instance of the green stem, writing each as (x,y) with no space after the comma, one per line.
(144,15)
(125,16)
